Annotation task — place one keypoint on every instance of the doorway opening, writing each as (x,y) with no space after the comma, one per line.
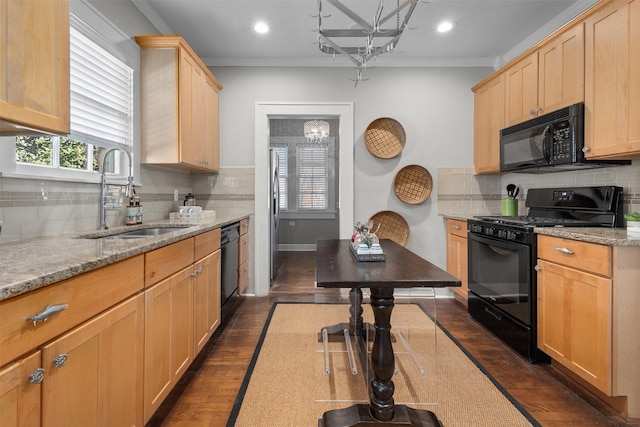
(315,180)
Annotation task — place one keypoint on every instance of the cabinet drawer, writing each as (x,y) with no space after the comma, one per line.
(457,227)
(243,248)
(584,256)
(86,295)
(206,243)
(244,226)
(165,261)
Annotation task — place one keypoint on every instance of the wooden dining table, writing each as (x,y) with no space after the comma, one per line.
(337,267)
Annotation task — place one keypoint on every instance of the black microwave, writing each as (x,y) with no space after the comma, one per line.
(549,143)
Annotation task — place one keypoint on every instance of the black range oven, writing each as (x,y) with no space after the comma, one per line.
(502,258)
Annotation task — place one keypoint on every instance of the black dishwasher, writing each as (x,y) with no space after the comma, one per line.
(229,236)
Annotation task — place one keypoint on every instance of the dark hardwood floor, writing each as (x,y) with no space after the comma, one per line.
(205,395)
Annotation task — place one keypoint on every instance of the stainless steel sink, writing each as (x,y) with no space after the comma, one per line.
(140,233)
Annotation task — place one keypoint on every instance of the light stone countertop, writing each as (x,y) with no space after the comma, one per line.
(27,265)
(599,235)
(602,236)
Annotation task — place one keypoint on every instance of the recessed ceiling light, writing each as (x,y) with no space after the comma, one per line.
(444,26)
(261,28)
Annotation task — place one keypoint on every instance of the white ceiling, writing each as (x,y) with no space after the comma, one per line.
(486,33)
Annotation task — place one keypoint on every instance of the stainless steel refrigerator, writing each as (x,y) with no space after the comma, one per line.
(274,209)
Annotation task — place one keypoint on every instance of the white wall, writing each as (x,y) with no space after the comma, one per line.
(434,105)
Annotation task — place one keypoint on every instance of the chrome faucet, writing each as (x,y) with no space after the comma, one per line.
(103,186)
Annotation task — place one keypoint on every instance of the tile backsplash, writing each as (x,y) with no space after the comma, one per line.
(460,192)
(32,208)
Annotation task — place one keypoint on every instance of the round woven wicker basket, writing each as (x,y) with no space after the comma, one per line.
(412,184)
(392,226)
(385,138)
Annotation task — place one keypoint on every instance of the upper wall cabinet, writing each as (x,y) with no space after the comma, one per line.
(612,81)
(180,106)
(488,119)
(34,66)
(550,78)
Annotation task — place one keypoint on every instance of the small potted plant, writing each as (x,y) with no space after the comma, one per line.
(633,222)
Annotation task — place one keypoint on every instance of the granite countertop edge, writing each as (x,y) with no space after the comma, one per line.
(28,265)
(600,235)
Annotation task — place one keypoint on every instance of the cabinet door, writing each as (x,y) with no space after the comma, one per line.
(211,125)
(561,71)
(206,297)
(189,100)
(574,321)
(168,337)
(94,373)
(34,65)
(607,81)
(19,398)
(489,102)
(521,82)
(457,263)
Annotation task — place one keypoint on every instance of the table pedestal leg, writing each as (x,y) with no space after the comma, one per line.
(356,323)
(381,409)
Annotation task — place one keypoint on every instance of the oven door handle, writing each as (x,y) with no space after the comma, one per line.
(565,251)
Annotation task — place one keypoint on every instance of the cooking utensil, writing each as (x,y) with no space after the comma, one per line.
(510,190)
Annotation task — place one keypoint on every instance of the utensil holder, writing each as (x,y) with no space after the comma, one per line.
(509,207)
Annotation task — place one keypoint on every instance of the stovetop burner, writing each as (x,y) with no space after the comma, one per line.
(537,221)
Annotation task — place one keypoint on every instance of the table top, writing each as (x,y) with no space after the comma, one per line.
(336,267)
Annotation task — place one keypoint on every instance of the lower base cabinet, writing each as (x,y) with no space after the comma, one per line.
(19,398)
(94,373)
(457,256)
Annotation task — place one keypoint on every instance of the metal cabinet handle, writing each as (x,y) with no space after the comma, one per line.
(565,251)
(456,227)
(59,361)
(37,376)
(585,149)
(537,268)
(196,272)
(47,312)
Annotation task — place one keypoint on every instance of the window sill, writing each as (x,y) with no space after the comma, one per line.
(308,215)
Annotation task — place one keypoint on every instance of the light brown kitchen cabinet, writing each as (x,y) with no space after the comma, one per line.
(94,373)
(168,339)
(206,288)
(612,80)
(19,397)
(457,256)
(98,335)
(488,120)
(34,67)
(548,79)
(588,307)
(180,106)
(243,257)
(182,310)
(521,83)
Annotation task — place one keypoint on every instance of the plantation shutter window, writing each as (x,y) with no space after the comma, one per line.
(101,95)
(282,152)
(312,165)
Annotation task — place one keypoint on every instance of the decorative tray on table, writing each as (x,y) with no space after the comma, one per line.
(378,255)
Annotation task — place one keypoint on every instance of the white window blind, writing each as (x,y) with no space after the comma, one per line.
(101,95)
(283,154)
(312,176)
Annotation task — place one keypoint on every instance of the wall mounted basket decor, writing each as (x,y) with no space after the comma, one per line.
(392,226)
(413,184)
(385,138)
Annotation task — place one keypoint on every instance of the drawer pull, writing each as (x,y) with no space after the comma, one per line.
(47,312)
(497,316)
(37,376)
(537,268)
(456,227)
(59,361)
(565,251)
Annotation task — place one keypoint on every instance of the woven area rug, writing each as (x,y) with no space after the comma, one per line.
(287,383)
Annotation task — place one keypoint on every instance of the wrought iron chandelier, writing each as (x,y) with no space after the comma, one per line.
(367,33)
